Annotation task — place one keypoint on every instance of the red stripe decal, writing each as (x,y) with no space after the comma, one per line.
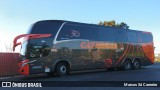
(28,36)
(122,55)
(133,51)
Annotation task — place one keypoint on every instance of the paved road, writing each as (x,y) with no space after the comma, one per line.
(148,73)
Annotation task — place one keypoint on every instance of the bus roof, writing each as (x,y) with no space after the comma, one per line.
(86,24)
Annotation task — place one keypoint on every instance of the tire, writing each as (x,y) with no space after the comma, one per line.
(136,64)
(62,69)
(127,65)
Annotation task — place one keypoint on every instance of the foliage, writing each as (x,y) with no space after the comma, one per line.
(113,23)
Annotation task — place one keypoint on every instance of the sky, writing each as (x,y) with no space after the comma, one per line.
(16,16)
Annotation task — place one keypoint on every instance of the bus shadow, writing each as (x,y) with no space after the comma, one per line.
(43,76)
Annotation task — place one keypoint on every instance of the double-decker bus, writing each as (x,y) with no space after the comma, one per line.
(57,46)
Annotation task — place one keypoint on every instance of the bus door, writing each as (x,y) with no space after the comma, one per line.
(96,56)
(37,52)
(35,58)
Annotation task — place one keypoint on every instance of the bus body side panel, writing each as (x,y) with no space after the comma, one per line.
(142,49)
(70,52)
(83,54)
(97,48)
(147,46)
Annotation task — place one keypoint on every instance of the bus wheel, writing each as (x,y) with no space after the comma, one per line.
(136,64)
(127,65)
(62,69)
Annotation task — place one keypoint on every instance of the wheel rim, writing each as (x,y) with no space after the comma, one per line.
(136,64)
(127,65)
(63,69)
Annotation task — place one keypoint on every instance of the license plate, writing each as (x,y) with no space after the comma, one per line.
(47,69)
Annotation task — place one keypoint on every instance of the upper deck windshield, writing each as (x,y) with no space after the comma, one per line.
(45,27)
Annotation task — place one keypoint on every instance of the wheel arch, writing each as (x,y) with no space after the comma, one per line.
(63,61)
(127,59)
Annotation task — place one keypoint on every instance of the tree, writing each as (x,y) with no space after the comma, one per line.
(113,23)
(100,23)
(8,47)
(123,25)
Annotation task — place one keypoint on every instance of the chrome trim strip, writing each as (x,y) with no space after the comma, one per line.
(55,38)
(72,40)
(28,63)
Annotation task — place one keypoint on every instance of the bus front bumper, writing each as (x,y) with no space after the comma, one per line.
(23,67)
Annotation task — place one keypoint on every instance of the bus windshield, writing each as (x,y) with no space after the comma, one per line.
(45,28)
(37,48)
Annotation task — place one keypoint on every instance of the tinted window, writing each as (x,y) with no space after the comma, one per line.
(70,31)
(112,35)
(146,38)
(121,35)
(45,27)
(132,36)
(107,35)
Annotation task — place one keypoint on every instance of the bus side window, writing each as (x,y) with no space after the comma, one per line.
(70,31)
(89,33)
(146,38)
(64,34)
(132,37)
(121,35)
(107,35)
